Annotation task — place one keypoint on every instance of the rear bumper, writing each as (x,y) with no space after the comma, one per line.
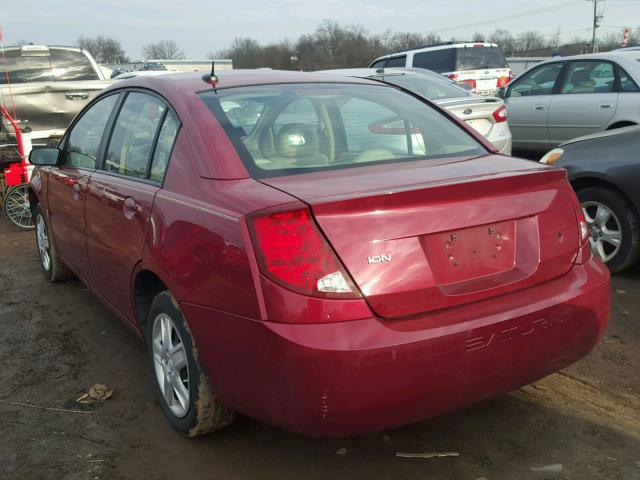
(352,377)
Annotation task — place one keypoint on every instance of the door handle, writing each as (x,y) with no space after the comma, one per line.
(538,107)
(77,190)
(130,208)
(76,95)
(605,105)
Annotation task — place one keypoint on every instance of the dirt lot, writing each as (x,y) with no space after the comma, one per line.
(56,341)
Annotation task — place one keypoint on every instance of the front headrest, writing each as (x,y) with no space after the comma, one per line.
(297,140)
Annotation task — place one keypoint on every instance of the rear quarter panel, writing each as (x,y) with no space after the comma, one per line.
(612,159)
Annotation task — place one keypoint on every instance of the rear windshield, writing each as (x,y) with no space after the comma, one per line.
(297,128)
(55,64)
(473,58)
(454,59)
(430,88)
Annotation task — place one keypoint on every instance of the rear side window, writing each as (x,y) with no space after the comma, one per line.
(627,84)
(71,65)
(440,61)
(131,142)
(84,140)
(30,67)
(400,61)
(588,77)
(314,127)
(162,153)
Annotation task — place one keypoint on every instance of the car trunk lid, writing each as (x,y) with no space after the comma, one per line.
(430,236)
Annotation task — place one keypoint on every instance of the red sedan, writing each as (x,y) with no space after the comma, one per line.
(328,255)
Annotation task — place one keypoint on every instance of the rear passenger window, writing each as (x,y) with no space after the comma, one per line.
(71,65)
(131,142)
(626,82)
(589,77)
(86,134)
(166,139)
(440,61)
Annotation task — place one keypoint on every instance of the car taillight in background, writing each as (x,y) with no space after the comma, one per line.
(292,251)
(503,81)
(500,115)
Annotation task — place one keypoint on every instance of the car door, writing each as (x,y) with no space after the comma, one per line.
(587,100)
(527,101)
(76,81)
(121,193)
(68,183)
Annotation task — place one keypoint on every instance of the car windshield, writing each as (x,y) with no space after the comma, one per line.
(473,58)
(296,128)
(429,88)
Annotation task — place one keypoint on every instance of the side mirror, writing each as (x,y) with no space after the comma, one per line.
(44,157)
(501,92)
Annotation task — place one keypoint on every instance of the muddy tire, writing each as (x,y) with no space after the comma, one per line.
(613,225)
(181,384)
(52,266)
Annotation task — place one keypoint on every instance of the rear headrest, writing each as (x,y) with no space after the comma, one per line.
(296,140)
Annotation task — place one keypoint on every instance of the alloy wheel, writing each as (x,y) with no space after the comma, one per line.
(42,238)
(605,232)
(170,364)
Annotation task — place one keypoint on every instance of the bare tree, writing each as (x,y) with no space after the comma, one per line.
(163,50)
(504,39)
(104,49)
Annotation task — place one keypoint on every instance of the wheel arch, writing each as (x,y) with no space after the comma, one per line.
(621,123)
(146,285)
(580,183)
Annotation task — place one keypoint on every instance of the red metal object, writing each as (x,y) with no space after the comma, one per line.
(17,173)
(422,339)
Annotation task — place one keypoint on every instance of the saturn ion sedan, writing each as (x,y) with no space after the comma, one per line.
(330,255)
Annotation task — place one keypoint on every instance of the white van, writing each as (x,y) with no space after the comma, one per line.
(480,64)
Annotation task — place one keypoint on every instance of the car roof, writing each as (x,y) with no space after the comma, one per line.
(370,72)
(193,81)
(36,48)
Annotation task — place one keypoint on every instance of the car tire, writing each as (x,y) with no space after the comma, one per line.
(53,268)
(622,219)
(199,411)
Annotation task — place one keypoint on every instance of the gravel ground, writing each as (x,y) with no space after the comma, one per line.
(57,340)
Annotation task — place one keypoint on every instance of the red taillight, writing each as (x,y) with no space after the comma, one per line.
(292,252)
(500,115)
(584,250)
(503,81)
(453,76)
(470,82)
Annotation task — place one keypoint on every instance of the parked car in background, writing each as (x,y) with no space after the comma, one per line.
(482,65)
(604,170)
(487,115)
(561,99)
(48,85)
(288,250)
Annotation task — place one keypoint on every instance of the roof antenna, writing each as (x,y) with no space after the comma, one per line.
(211,78)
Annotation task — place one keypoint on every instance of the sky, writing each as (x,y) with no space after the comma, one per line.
(201,26)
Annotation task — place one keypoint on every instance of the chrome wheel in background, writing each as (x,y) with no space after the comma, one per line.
(605,231)
(17,208)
